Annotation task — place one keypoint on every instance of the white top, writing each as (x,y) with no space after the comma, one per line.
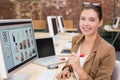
(82,61)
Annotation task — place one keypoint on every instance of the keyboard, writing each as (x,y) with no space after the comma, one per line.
(47,75)
(49,60)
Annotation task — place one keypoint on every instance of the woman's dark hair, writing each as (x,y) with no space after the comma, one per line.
(94,6)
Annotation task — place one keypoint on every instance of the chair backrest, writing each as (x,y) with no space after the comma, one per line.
(116,72)
(39,24)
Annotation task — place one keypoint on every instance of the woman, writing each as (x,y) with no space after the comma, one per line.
(91,58)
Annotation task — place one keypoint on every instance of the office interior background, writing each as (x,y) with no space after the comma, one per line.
(38,10)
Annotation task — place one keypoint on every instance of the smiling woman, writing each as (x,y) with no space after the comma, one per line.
(99,56)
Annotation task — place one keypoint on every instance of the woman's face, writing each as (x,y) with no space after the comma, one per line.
(89,22)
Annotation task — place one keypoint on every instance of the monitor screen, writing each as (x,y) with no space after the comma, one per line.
(17,44)
(45,47)
(55,29)
(62,21)
(115,20)
(61,24)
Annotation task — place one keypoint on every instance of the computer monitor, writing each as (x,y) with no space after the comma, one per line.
(116,22)
(53,27)
(45,47)
(61,24)
(17,45)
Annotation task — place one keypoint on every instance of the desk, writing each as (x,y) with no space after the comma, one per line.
(109,34)
(34,71)
(59,46)
(112,30)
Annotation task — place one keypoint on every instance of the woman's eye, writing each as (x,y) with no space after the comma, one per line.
(82,18)
(92,19)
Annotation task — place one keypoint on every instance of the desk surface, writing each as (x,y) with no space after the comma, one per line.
(112,30)
(34,70)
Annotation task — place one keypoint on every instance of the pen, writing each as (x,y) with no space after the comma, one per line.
(62,59)
(81,55)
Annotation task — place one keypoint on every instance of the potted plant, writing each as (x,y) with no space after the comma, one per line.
(107,26)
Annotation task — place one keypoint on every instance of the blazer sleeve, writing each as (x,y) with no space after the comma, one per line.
(106,67)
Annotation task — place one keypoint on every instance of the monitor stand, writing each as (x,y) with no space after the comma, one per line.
(55,40)
(19,77)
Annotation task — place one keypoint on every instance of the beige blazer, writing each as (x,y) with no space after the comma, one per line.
(101,60)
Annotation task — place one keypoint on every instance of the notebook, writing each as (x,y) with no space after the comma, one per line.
(46,52)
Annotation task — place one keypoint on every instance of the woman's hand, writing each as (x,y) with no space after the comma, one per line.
(74,61)
(64,74)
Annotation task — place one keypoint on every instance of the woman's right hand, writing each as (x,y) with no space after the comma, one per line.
(63,74)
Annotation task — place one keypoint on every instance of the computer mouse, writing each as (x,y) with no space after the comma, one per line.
(53,66)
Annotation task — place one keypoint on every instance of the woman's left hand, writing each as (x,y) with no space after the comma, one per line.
(74,60)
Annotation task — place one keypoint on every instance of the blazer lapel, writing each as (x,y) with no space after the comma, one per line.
(94,49)
(77,44)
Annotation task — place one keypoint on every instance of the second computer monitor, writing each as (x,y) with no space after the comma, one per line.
(53,26)
(61,24)
(116,22)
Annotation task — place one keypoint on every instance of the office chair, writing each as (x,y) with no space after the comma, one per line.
(116,72)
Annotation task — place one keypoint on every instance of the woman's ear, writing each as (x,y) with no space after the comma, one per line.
(101,23)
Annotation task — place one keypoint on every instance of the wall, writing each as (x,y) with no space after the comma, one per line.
(117,8)
(7,10)
(69,9)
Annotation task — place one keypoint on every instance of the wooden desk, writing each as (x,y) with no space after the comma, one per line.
(39,24)
(34,71)
(112,30)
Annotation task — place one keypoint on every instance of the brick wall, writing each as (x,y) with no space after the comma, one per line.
(70,9)
(117,8)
